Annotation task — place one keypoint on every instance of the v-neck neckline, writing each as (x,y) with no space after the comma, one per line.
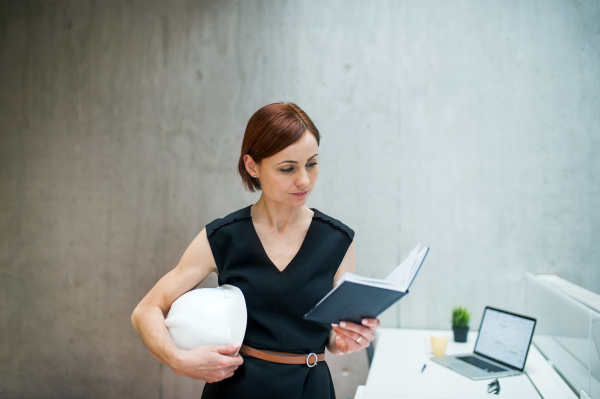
(264,251)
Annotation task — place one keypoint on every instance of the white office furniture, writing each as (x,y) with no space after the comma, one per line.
(566,339)
(360,392)
(568,329)
(400,354)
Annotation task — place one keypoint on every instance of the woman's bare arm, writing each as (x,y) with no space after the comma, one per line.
(342,338)
(347,265)
(206,363)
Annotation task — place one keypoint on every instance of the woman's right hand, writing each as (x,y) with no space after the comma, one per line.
(210,363)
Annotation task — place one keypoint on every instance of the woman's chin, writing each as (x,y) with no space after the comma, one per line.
(296,202)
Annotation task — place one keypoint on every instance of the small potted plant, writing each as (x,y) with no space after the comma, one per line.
(460,323)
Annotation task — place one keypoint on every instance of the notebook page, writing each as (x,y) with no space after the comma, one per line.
(415,268)
(400,273)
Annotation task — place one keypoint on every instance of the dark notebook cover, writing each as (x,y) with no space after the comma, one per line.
(353,302)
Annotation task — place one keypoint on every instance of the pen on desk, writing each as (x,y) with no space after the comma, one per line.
(423,369)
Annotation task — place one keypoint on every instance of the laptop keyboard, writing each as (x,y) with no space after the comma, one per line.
(482,364)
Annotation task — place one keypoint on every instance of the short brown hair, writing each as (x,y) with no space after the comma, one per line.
(271,129)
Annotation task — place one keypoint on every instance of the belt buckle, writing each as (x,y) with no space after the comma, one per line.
(308,357)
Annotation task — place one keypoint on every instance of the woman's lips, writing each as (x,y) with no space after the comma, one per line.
(300,194)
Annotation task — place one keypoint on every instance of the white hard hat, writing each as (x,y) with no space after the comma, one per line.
(208,316)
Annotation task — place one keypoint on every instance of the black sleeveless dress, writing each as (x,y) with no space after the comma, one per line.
(276,302)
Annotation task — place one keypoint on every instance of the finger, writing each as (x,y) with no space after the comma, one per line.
(227,376)
(231,369)
(371,323)
(352,335)
(367,336)
(228,349)
(352,344)
(232,361)
(357,329)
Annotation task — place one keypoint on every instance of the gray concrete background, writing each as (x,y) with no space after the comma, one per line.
(472,127)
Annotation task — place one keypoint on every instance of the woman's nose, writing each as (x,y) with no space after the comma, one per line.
(303,179)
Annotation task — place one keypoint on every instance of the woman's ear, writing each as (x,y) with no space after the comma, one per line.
(250,165)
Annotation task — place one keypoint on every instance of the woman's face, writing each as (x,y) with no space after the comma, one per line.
(289,176)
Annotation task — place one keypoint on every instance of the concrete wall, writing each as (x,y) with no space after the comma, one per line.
(468,126)
(500,136)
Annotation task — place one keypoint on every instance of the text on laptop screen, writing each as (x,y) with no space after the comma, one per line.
(505,337)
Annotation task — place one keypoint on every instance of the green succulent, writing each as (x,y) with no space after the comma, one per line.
(460,317)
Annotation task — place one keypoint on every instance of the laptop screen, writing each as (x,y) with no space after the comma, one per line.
(505,337)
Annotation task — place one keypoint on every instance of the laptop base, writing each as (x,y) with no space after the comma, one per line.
(468,370)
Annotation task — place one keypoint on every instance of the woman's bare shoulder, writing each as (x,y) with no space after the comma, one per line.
(195,265)
(198,256)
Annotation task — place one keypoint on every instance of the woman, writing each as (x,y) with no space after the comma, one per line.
(283,256)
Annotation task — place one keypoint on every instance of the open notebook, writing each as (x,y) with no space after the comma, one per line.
(356,297)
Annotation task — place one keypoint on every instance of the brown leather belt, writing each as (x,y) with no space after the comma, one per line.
(283,357)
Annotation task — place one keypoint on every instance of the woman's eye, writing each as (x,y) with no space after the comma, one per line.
(310,165)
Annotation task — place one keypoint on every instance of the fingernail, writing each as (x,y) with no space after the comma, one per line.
(237,344)
(365,322)
(334,325)
(343,324)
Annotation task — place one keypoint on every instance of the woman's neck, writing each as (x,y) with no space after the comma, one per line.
(277,215)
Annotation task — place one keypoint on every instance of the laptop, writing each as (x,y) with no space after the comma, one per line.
(501,348)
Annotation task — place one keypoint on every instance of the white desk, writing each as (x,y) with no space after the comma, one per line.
(400,354)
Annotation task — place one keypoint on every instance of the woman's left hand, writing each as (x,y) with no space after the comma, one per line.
(351,337)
